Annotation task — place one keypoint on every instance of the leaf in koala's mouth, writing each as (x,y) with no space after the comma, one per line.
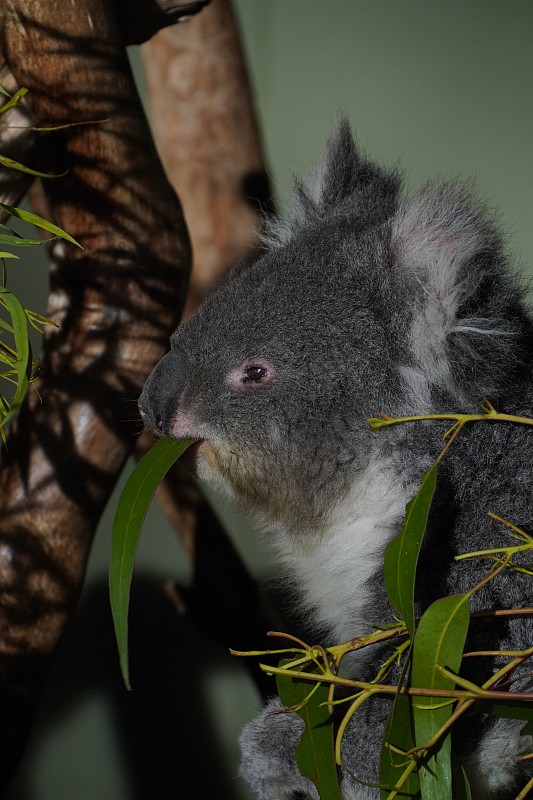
(129,517)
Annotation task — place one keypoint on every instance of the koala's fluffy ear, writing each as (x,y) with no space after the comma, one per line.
(347,181)
(467,332)
(345,186)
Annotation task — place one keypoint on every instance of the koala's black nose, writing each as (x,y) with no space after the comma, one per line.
(159,399)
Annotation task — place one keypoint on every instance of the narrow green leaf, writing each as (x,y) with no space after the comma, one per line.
(20,334)
(399,733)
(129,517)
(460,784)
(38,321)
(8,360)
(14,240)
(28,216)
(4,409)
(439,640)
(8,352)
(401,555)
(22,349)
(11,164)
(315,753)
(6,229)
(4,254)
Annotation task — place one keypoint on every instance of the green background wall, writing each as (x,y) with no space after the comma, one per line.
(436,87)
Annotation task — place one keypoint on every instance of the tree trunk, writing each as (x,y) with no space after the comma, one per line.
(116,301)
(213,157)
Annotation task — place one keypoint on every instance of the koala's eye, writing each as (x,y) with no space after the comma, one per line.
(253,373)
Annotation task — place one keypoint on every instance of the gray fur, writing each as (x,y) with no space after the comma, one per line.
(365,302)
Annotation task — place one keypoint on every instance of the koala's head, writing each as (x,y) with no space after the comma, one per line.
(362,303)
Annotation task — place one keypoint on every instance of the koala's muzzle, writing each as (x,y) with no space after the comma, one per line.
(159,398)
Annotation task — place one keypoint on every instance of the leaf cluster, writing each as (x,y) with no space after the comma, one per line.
(416,758)
(430,696)
(17,368)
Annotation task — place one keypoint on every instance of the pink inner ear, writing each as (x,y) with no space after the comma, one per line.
(246,375)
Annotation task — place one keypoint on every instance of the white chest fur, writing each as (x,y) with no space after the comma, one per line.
(332,570)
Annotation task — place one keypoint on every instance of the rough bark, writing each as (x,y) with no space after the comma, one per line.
(117,301)
(196,73)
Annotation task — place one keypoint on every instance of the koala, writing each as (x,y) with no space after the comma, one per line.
(363,301)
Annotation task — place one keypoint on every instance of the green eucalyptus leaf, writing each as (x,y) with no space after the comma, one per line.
(14,240)
(34,219)
(439,641)
(38,322)
(22,362)
(129,517)
(5,358)
(6,229)
(401,555)
(315,753)
(10,163)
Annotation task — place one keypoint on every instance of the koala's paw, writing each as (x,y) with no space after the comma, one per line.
(268,759)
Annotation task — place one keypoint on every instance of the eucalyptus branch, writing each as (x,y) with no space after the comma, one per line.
(335,651)
(461,693)
(466,684)
(502,556)
(494,653)
(520,533)
(411,766)
(526,791)
(465,703)
(13,101)
(488,415)
(481,693)
(516,533)
(300,705)
(357,703)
